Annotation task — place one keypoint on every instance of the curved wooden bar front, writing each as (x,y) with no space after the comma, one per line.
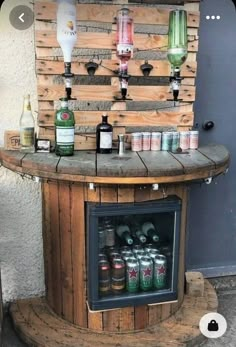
(117,179)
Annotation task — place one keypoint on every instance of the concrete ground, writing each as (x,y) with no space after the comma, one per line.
(226,289)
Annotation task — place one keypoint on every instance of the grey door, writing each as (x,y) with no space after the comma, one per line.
(211,243)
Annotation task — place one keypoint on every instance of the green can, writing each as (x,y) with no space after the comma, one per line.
(175,141)
(160,269)
(166,141)
(132,275)
(146,273)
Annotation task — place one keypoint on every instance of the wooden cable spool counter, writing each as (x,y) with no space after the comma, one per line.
(66,188)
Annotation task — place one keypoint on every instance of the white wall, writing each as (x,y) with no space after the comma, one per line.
(21,254)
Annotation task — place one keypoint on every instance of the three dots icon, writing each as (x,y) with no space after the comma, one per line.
(213,17)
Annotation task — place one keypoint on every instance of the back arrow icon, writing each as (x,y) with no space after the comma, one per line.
(20,17)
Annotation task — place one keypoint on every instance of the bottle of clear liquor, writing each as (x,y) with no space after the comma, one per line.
(104,136)
(27,128)
(64,130)
(150,231)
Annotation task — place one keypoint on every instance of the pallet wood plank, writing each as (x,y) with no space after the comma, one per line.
(12,157)
(66,255)
(41,161)
(140,317)
(81,163)
(53,206)
(161,163)
(193,161)
(107,67)
(108,93)
(115,165)
(154,314)
(107,41)
(215,153)
(106,14)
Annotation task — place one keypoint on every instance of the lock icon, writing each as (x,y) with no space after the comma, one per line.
(213,326)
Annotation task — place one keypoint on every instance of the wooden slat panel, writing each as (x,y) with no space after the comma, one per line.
(78,255)
(180,116)
(81,163)
(41,161)
(66,255)
(107,93)
(107,41)
(215,153)
(154,314)
(160,67)
(140,317)
(115,165)
(56,246)
(167,164)
(106,14)
(194,161)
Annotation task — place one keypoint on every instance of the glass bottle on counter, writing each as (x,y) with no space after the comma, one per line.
(27,128)
(149,230)
(123,231)
(104,136)
(64,130)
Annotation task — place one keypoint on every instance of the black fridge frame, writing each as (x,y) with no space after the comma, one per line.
(95,210)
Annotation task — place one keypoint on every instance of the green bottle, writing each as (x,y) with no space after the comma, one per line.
(64,130)
(177,38)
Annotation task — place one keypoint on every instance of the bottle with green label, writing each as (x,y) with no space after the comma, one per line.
(27,126)
(64,130)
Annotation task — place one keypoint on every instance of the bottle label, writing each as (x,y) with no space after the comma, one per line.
(65,135)
(124,48)
(27,137)
(106,139)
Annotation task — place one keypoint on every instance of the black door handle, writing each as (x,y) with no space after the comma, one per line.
(208,125)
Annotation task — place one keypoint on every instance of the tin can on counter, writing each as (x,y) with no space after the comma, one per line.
(104,276)
(132,275)
(175,141)
(160,270)
(184,139)
(146,273)
(136,142)
(166,141)
(193,139)
(146,141)
(110,236)
(118,274)
(155,141)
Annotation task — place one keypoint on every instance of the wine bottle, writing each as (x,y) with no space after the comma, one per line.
(64,130)
(137,233)
(104,136)
(27,132)
(123,231)
(149,230)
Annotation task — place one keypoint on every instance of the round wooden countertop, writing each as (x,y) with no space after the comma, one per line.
(145,167)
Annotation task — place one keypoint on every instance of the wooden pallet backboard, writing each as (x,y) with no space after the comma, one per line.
(150,106)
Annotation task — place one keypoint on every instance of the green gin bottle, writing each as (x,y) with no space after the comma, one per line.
(64,130)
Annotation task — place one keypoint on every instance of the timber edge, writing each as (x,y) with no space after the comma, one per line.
(133,168)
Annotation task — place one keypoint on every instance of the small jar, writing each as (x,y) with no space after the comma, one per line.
(136,142)
(146,141)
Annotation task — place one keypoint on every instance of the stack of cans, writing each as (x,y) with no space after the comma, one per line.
(165,141)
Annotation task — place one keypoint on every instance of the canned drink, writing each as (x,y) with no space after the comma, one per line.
(146,273)
(101,237)
(110,237)
(148,247)
(114,255)
(128,255)
(102,256)
(156,141)
(175,141)
(193,140)
(137,248)
(184,140)
(118,274)
(132,275)
(125,249)
(140,254)
(153,253)
(104,276)
(166,141)
(160,269)
(136,142)
(146,141)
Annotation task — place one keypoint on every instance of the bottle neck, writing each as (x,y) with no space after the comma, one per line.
(27,106)
(104,119)
(64,104)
